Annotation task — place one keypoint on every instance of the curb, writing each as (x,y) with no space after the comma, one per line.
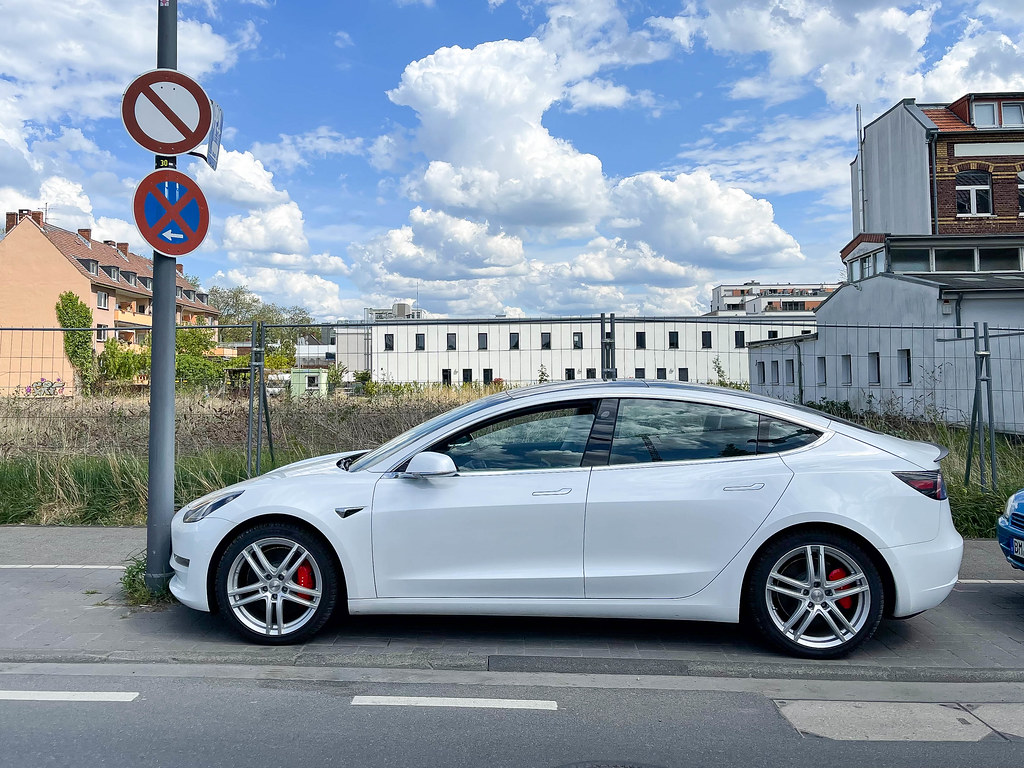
(760,670)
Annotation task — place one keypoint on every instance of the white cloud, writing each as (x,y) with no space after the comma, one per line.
(240,179)
(982,60)
(342,39)
(437,246)
(291,152)
(785,155)
(274,230)
(287,287)
(693,218)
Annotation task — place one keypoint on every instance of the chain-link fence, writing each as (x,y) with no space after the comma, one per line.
(337,387)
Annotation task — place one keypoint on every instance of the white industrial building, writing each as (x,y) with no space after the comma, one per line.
(515,350)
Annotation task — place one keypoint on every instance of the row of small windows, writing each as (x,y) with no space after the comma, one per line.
(739,340)
(821,377)
(570,375)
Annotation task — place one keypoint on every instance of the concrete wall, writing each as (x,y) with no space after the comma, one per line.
(896,176)
(906,327)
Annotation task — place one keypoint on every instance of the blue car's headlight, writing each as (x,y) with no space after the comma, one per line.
(197,514)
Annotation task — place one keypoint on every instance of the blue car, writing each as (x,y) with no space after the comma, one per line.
(1010,530)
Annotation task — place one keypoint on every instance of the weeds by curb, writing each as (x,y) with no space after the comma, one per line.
(133,584)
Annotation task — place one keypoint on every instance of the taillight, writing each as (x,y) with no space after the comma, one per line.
(930,484)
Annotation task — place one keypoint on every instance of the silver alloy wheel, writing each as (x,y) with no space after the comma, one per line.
(262,591)
(805,605)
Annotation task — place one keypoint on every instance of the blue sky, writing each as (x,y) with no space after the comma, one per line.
(522,157)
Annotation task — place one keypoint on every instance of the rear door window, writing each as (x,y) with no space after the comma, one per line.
(673,430)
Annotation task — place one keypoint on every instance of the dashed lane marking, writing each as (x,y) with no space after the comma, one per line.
(444,701)
(63,567)
(75,696)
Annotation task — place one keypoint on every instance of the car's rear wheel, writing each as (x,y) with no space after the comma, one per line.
(276,584)
(815,594)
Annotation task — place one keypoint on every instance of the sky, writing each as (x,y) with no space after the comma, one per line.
(489,157)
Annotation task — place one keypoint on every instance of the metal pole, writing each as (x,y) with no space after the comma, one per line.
(975,411)
(160,507)
(252,403)
(991,410)
(611,348)
(160,503)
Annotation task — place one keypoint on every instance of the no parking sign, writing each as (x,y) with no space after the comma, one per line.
(171,212)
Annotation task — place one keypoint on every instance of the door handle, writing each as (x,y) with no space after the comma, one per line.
(751,487)
(559,492)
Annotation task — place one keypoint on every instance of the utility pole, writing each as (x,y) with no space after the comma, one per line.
(160,507)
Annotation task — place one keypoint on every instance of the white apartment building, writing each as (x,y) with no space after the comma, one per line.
(521,351)
(755,298)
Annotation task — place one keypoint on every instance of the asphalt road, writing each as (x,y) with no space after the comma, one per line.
(235,716)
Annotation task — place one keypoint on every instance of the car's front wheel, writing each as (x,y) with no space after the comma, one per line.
(815,594)
(276,584)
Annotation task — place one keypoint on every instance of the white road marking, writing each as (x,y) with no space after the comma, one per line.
(63,567)
(102,696)
(990,581)
(1005,718)
(883,721)
(443,701)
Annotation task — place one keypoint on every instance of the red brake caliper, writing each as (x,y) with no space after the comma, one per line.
(844,602)
(304,578)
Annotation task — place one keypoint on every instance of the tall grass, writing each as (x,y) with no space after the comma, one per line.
(83,461)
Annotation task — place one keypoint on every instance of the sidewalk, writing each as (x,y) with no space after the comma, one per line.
(65,614)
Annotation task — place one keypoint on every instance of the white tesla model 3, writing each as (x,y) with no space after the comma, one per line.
(632,499)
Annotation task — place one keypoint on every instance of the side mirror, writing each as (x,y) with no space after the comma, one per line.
(429,464)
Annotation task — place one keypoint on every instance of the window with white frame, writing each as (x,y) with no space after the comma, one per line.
(102,299)
(985,114)
(1013,115)
(974,193)
(101,332)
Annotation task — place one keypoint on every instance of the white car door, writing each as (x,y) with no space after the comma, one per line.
(683,490)
(509,524)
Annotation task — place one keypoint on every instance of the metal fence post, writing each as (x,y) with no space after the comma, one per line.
(987,352)
(261,395)
(252,404)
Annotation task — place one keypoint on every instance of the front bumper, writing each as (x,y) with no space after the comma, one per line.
(192,547)
(1005,533)
(925,573)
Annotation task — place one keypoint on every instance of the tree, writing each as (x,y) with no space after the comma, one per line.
(240,306)
(72,312)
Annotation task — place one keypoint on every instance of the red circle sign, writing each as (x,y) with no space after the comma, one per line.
(166,112)
(171,212)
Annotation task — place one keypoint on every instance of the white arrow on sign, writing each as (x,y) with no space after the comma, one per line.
(170,236)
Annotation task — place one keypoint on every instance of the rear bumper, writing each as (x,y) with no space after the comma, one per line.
(925,573)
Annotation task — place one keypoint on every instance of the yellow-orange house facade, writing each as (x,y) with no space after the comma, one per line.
(39,262)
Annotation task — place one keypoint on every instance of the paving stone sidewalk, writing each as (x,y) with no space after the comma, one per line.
(53,614)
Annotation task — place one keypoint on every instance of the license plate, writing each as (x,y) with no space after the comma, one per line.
(1018,547)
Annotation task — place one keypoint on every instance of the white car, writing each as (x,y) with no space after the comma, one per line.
(631,499)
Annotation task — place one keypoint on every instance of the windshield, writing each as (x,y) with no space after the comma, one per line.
(409,437)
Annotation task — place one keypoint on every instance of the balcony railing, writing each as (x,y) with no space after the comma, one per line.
(133,318)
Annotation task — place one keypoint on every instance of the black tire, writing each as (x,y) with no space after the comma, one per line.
(246,597)
(795,606)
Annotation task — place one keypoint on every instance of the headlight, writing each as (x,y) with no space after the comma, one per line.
(197,514)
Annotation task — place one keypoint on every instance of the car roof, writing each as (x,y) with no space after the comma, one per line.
(623,387)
